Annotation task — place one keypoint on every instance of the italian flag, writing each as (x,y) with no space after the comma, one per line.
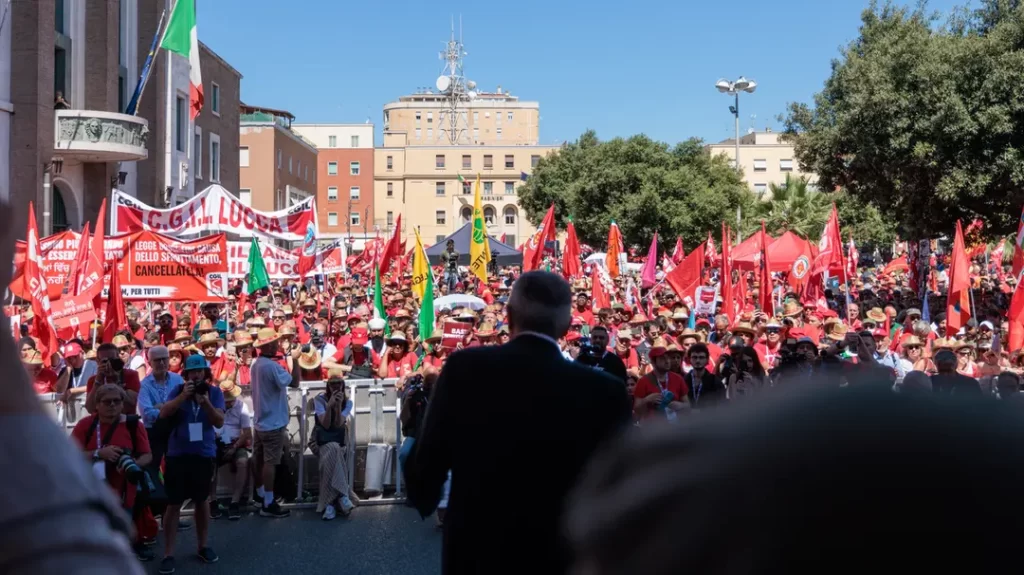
(180,37)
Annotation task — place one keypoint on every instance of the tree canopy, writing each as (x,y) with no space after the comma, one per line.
(643,185)
(924,121)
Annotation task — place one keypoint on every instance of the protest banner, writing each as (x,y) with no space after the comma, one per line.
(454,333)
(72,315)
(212,210)
(705,300)
(281,264)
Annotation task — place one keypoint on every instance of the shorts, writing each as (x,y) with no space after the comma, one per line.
(188,477)
(270,446)
(222,456)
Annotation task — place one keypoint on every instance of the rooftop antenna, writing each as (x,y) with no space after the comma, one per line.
(457,91)
(753,125)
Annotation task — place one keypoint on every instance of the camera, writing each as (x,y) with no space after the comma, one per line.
(202,388)
(127,466)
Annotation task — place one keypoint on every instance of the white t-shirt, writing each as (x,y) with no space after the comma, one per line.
(236,419)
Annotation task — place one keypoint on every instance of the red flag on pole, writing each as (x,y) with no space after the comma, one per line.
(78,264)
(571,255)
(393,249)
(765,277)
(648,275)
(601,297)
(115,319)
(726,274)
(611,258)
(533,249)
(1016,320)
(712,257)
(851,260)
(687,275)
(830,248)
(1018,249)
(42,328)
(91,278)
(958,305)
(678,254)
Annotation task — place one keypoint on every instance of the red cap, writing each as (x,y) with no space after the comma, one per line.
(572,336)
(880,332)
(72,350)
(354,317)
(577,321)
(656,352)
(360,336)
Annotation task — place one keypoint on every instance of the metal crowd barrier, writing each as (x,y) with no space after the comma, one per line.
(375,418)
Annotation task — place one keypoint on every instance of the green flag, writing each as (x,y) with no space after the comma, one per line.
(258,276)
(427,308)
(378,301)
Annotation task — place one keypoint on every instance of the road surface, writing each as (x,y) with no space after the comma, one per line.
(374,540)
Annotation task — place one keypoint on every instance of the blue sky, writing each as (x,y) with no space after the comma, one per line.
(620,68)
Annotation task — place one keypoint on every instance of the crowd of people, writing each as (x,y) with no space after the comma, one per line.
(163,396)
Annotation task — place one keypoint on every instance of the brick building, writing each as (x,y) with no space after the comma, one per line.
(344,190)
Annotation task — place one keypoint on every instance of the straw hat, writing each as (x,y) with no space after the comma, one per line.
(962,344)
(912,341)
(182,337)
(32,357)
(310,360)
(792,308)
(876,314)
(266,335)
(397,337)
(121,341)
(435,337)
(944,343)
(308,302)
(208,338)
(836,330)
(205,325)
(486,330)
(638,318)
(773,324)
(175,347)
(743,327)
(287,330)
(689,333)
(242,339)
(256,321)
(673,348)
(229,389)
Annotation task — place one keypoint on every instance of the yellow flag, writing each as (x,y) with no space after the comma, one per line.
(479,246)
(420,267)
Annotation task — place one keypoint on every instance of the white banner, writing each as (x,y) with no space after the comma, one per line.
(281,264)
(213,210)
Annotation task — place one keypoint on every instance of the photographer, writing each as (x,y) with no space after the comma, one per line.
(117,452)
(597,356)
(194,408)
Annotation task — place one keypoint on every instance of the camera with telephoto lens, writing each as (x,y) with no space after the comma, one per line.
(127,466)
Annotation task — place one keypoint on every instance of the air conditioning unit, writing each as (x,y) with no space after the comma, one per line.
(183,176)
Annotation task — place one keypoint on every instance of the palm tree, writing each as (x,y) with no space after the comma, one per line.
(793,206)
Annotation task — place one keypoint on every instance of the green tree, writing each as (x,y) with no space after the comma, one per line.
(641,184)
(922,120)
(795,206)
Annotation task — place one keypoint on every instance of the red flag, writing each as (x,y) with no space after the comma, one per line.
(611,258)
(1018,249)
(851,260)
(765,300)
(1016,318)
(710,251)
(503,236)
(393,249)
(78,264)
(115,319)
(571,255)
(898,264)
(667,265)
(601,297)
(958,305)
(648,275)
(996,259)
(687,275)
(830,248)
(678,254)
(533,249)
(90,280)
(42,328)
(726,274)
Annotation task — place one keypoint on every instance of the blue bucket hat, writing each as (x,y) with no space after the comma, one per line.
(196,362)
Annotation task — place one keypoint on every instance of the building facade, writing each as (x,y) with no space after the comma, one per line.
(489,119)
(764,159)
(432,187)
(215,130)
(344,171)
(277,166)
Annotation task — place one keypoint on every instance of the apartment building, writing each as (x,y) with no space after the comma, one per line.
(344,168)
(764,159)
(277,166)
(490,118)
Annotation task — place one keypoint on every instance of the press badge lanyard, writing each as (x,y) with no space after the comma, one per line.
(195,427)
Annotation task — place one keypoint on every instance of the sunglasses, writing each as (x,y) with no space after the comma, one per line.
(112,402)
(772,330)
(280,317)
(964,352)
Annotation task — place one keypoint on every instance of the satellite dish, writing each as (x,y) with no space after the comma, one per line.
(472,95)
(443,83)
(471,85)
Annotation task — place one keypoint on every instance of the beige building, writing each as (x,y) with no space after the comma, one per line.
(489,119)
(764,159)
(276,166)
(422,183)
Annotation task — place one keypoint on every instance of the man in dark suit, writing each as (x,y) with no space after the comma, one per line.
(515,424)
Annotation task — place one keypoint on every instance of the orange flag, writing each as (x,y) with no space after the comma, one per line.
(611,258)
(958,304)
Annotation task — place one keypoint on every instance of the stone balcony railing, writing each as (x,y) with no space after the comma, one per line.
(97,136)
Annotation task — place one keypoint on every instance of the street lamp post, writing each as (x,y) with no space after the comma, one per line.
(733,89)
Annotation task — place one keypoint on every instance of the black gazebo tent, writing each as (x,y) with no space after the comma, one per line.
(507,255)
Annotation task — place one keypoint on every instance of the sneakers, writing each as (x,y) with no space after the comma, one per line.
(329,513)
(346,505)
(149,541)
(208,555)
(274,511)
(234,512)
(167,566)
(216,511)
(143,553)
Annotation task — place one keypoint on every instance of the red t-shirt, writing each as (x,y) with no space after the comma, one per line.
(647,385)
(586,315)
(167,337)
(130,377)
(46,381)
(121,438)
(433,361)
(402,366)
(630,359)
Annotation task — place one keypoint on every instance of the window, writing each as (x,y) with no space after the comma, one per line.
(489,216)
(391,219)
(305,174)
(332,141)
(476,134)
(353,193)
(419,134)
(467,188)
(279,156)
(440,217)
(290,164)
(467,162)
(243,156)
(510,116)
(353,168)
(390,162)
(439,188)
(332,218)
(510,216)
(181,114)
(430,117)
(353,218)
(760,188)
(439,161)
(215,98)
(510,239)
(510,188)
(332,168)
(786,165)
(497,133)
(355,141)
(417,116)
(476,117)
(214,158)
(430,133)
(488,187)
(245,196)
(487,114)
(534,160)
(439,238)
(298,169)
(197,154)
(332,193)
(391,189)
(467,213)
(760,165)
(497,117)
(510,161)
(488,161)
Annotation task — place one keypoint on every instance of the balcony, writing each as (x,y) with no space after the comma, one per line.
(96,136)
